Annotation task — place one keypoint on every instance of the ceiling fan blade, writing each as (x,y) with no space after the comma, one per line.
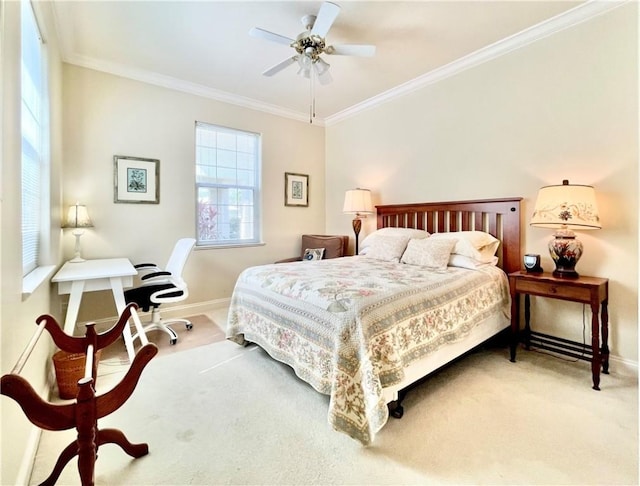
(280,66)
(326,16)
(362,50)
(270,36)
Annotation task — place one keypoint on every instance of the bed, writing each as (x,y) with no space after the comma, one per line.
(362,329)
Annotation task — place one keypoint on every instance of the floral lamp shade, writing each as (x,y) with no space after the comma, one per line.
(566,207)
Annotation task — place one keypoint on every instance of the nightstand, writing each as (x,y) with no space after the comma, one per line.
(593,291)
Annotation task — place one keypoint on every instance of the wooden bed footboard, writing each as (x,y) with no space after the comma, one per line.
(499,217)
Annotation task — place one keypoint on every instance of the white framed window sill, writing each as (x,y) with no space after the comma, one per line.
(230,245)
(35,278)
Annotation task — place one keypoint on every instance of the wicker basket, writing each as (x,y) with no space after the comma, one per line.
(69,369)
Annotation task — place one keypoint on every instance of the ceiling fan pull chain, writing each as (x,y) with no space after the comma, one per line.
(312,75)
(312,99)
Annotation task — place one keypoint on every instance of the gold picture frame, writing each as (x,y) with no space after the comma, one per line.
(296,189)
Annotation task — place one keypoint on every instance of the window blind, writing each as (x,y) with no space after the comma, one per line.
(33,136)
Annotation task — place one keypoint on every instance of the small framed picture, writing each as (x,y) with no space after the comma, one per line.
(136,180)
(296,189)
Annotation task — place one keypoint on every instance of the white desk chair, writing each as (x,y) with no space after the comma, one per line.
(160,286)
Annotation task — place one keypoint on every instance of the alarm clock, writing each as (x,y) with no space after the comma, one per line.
(532,263)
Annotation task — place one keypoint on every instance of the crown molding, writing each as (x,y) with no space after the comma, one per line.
(565,20)
(176,84)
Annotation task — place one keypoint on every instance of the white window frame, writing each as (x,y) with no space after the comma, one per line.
(228,186)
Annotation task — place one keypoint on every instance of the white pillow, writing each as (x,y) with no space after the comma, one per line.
(313,254)
(433,254)
(408,233)
(462,261)
(387,248)
(478,245)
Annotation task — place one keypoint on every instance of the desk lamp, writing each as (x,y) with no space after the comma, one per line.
(78,218)
(566,207)
(358,202)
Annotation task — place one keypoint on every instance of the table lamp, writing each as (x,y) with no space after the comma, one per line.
(566,207)
(358,202)
(78,218)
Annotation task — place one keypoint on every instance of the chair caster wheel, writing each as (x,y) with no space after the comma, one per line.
(173,341)
(189,326)
(397,412)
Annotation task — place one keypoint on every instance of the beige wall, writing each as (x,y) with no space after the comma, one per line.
(18,315)
(565,107)
(108,115)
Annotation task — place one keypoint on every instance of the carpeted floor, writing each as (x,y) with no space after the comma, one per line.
(223,414)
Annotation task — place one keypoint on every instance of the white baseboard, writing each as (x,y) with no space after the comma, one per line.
(29,456)
(31,448)
(623,366)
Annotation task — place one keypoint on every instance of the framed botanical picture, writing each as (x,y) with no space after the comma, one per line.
(296,189)
(136,180)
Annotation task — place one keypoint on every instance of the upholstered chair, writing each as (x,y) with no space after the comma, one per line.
(334,246)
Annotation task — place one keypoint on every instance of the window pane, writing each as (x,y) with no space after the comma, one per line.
(227,141)
(245,160)
(207,213)
(245,197)
(226,158)
(246,177)
(227,176)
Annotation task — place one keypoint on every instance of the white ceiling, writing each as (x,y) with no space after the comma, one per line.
(204,46)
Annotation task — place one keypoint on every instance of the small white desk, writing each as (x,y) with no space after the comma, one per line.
(92,275)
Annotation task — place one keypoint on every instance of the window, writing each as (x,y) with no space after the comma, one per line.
(227,186)
(34,120)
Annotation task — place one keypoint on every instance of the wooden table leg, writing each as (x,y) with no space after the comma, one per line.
(605,337)
(515,323)
(527,321)
(596,360)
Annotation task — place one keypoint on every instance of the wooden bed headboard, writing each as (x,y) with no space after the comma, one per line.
(499,217)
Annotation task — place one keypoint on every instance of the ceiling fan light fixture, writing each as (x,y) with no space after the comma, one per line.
(305,63)
(304,72)
(321,66)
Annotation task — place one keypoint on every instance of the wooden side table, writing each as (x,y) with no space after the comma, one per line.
(587,290)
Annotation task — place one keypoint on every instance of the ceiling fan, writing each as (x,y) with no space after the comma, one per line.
(311,44)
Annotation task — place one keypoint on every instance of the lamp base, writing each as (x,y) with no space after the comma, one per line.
(564,273)
(357,225)
(566,250)
(77,258)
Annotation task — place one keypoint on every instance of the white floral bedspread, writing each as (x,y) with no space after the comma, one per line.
(348,326)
